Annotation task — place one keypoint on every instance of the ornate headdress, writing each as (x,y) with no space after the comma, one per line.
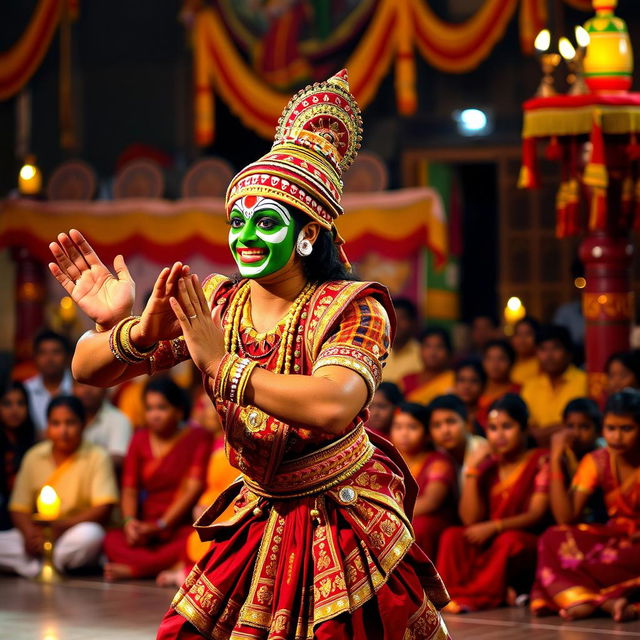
(317,138)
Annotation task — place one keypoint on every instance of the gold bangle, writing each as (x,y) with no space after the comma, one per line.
(132,350)
(222,375)
(499,526)
(115,342)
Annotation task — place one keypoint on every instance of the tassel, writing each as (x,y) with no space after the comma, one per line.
(595,173)
(554,150)
(633,148)
(529,177)
(596,176)
(598,213)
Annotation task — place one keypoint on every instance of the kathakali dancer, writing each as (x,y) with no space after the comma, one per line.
(320,545)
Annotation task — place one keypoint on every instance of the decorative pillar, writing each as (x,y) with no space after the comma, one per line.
(607,302)
(30,297)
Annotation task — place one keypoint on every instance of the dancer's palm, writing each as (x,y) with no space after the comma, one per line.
(106,298)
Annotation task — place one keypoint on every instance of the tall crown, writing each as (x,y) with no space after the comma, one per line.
(317,138)
(326,118)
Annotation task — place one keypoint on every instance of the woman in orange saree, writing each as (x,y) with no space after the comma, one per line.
(321,544)
(504,502)
(589,567)
(433,471)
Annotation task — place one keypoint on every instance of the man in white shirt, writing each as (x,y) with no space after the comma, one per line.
(106,426)
(51,354)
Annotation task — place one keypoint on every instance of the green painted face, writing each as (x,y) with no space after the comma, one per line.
(261,237)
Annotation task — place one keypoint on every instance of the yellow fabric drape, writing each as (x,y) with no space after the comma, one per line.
(396,30)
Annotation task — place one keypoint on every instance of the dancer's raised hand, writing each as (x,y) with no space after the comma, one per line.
(106,298)
(203,337)
(158,321)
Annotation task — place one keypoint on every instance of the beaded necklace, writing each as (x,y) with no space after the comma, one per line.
(292,320)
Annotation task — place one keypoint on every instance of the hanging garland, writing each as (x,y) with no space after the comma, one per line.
(21,61)
(396,29)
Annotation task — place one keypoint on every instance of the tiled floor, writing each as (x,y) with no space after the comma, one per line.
(88,609)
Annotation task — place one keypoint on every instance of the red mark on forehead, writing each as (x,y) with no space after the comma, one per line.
(250,201)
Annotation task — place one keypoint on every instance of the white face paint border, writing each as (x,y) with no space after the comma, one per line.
(261,204)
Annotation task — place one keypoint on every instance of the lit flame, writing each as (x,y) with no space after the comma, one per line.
(28,172)
(514,304)
(567,50)
(543,40)
(582,36)
(48,503)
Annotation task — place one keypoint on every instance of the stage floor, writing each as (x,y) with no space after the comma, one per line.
(81,609)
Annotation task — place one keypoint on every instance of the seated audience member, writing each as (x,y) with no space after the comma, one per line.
(582,423)
(220,475)
(623,371)
(559,382)
(404,356)
(17,435)
(589,567)
(523,342)
(497,361)
(450,434)
(470,382)
(385,401)
(51,354)
(434,472)
(436,376)
(504,503)
(81,474)
(482,329)
(163,477)
(106,425)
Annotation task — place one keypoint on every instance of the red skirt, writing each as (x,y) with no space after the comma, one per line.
(587,563)
(338,565)
(477,576)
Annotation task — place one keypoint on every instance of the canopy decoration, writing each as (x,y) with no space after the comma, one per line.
(568,122)
(394,30)
(163,231)
(19,63)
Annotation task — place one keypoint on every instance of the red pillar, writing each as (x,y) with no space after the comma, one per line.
(30,298)
(607,303)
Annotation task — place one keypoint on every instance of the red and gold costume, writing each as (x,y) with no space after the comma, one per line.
(592,563)
(320,544)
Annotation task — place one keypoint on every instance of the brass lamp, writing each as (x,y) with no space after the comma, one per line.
(548,62)
(48,510)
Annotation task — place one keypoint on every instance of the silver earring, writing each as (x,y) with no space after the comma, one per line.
(303,246)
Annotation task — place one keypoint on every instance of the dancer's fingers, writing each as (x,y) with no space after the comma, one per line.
(68,267)
(61,277)
(90,256)
(75,255)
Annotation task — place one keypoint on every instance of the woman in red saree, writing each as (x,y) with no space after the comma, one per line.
(321,544)
(433,471)
(503,504)
(163,476)
(589,567)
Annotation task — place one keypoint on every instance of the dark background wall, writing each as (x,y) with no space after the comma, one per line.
(132,83)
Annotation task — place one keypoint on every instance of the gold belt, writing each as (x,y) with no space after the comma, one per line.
(318,471)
